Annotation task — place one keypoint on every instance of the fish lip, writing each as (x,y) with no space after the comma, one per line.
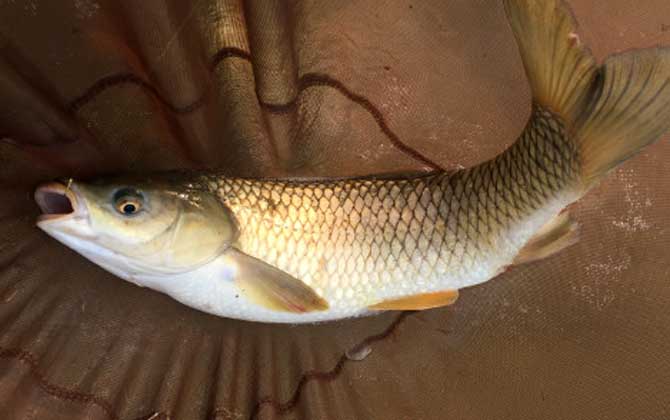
(77,207)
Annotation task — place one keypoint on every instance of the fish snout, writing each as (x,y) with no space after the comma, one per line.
(58,200)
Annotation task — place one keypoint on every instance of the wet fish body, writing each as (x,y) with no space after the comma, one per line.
(315,250)
(358,242)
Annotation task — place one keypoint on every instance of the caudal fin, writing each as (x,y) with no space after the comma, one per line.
(629,109)
(611,111)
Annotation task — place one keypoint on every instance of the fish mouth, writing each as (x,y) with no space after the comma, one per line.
(58,201)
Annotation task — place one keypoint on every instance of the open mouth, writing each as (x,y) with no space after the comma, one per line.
(56,201)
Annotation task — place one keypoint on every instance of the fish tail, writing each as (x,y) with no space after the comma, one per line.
(611,111)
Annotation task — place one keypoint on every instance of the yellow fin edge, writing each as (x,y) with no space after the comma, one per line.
(417,302)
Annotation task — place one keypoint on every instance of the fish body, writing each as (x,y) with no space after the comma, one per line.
(314,250)
(358,242)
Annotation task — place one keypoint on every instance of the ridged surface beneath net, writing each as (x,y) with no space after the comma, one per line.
(109,87)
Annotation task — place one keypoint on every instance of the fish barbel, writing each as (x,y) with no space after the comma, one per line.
(311,250)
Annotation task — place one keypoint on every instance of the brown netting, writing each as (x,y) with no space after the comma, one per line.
(325,88)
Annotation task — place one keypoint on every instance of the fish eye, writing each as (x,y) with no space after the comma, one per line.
(128,202)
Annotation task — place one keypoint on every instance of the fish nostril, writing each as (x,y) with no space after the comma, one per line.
(54,203)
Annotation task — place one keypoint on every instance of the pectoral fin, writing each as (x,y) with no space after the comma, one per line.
(558,234)
(417,302)
(272,288)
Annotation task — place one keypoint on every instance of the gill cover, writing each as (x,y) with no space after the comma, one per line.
(171,230)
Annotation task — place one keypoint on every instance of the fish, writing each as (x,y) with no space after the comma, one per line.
(310,250)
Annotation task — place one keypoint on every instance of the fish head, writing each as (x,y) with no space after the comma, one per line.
(137,227)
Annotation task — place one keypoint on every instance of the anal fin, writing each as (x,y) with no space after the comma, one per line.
(558,234)
(417,302)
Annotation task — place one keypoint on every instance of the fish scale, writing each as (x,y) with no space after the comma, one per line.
(359,241)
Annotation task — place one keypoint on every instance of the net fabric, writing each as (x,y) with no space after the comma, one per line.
(313,88)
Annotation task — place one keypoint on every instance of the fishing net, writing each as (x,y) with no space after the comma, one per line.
(314,88)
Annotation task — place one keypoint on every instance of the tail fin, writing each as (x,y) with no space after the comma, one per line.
(611,111)
(629,110)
